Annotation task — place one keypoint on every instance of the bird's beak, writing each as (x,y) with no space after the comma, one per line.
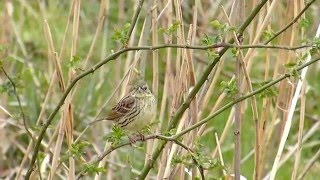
(140,89)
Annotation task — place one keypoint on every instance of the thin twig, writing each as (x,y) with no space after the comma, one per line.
(133,22)
(19,104)
(143,139)
(175,137)
(115,55)
(180,111)
(230,104)
(291,23)
(219,45)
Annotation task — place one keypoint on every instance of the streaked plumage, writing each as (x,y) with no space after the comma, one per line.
(135,110)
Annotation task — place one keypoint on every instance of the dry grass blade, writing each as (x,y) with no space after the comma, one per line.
(290,115)
(206,77)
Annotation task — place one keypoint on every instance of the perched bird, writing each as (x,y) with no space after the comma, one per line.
(135,110)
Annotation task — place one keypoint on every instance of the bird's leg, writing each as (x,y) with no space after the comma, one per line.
(136,137)
(132,139)
(141,136)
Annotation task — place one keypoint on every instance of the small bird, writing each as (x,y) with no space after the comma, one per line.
(135,110)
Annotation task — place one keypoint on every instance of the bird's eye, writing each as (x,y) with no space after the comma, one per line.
(144,88)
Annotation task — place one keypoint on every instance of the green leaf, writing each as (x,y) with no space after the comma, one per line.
(212,54)
(290,65)
(77,150)
(215,24)
(235,52)
(295,73)
(173,28)
(210,40)
(304,23)
(170,132)
(161,30)
(121,35)
(269,92)
(41,156)
(229,87)
(316,42)
(7,86)
(75,62)
(267,34)
(92,169)
(115,136)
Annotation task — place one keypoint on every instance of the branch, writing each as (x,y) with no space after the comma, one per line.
(194,91)
(185,105)
(218,45)
(150,48)
(175,137)
(133,21)
(291,23)
(72,84)
(205,120)
(19,103)
(143,139)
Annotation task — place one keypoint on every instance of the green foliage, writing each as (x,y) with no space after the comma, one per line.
(269,92)
(304,23)
(223,28)
(221,31)
(115,136)
(295,73)
(41,156)
(121,35)
(210,40)
(267,34)
(315,46)
(206,162)
(170,133)
(171,30)
(77,150)
(147,129)
(291,65)
(316,42)
(234,52)
(7,86)
(92,168)
(212,54)
(75,62)
(229,87)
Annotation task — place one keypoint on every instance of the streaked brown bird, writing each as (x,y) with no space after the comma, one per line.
(135,110)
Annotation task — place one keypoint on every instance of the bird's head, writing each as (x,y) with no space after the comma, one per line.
(141,89)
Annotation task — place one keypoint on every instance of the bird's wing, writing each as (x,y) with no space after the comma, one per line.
(121,108)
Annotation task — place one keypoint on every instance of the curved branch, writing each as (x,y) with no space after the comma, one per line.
(205,120)
(118,53)
(195,90)
(142,139)
(291,23)
(64,96)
